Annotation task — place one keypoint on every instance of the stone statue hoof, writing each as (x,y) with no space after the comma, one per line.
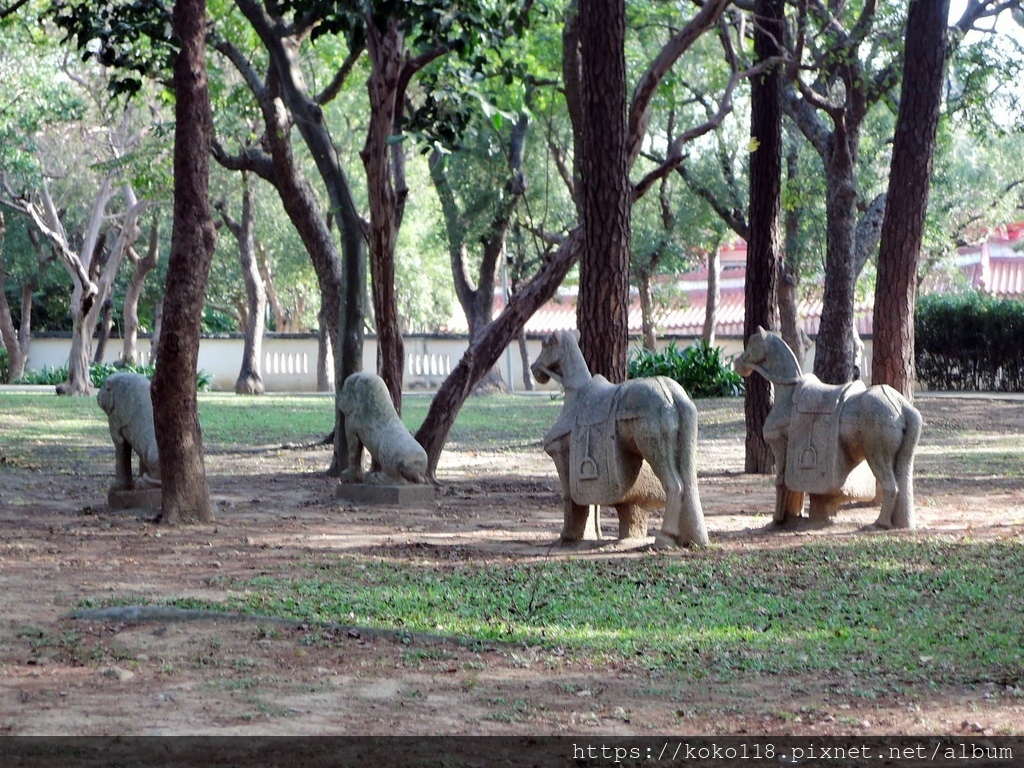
(149,481)
(664,541)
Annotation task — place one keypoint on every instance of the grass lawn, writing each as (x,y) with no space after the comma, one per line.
(926,609)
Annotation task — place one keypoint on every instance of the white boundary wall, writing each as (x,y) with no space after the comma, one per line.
(288,362)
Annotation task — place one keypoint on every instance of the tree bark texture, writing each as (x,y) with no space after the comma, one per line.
(130,311)
(386,48)
(909,182)
(764,249)
(602,308)
(175,409)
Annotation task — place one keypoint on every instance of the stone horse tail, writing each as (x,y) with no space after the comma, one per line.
(900,513)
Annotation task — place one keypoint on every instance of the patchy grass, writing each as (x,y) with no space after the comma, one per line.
(41,429)
(895,611)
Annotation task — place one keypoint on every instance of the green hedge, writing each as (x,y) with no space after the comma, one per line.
(969,341)
(99,372)
(699,368)
(5,362)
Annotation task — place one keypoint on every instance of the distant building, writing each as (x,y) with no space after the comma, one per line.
(995,265)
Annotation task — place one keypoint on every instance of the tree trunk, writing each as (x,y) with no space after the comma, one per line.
(17,349)
(158,324)
(789,271)
(175,405)
(478,302)
(789,316)
(647,311)
(386,49)
(250,381)
(602,309)
(485,351)
(524,359)
(78,381)
(765,245)
(834,348)
(909,181)
(106,326)
(714,294)
(129,351)
(323,354)
(342,280)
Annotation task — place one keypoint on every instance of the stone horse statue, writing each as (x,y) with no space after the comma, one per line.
(601,439)
(821,434)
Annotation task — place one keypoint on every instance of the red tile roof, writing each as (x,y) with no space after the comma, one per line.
(996,266)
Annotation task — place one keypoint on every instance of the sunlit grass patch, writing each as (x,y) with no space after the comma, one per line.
(903,611)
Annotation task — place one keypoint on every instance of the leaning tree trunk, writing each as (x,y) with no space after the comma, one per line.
(765,245)
(909,181)
(129,350)
(602,309)
(484,353)
(175,404)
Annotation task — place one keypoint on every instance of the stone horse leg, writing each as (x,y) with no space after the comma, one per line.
(788,504)
(123,480)
(577,522)
(677,469)
(896,477)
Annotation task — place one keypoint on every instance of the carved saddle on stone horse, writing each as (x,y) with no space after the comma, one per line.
(600,468)
(814,462)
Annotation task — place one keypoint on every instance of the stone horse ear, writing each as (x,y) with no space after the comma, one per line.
(553,339)
(762,332)
(575,334)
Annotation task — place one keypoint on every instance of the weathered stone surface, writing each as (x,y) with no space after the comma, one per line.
(126,400)
(136,498)
(372,423)
(819,433)
(397,495)
(630,446)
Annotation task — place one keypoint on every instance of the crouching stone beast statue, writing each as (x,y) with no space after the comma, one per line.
(125,398)
(371,422)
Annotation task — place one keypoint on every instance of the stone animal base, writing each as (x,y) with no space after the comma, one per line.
(398,495)
(138,498)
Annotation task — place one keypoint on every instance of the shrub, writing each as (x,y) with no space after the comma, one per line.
(699,368)
(969,341)
(5,362)
(47,375)
(99,373)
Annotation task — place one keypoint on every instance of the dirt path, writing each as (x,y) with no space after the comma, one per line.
(59,546)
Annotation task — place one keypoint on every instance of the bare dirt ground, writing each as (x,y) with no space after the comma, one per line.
(59,545)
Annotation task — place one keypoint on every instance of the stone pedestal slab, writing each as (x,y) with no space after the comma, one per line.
(138,498)
(398,495)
